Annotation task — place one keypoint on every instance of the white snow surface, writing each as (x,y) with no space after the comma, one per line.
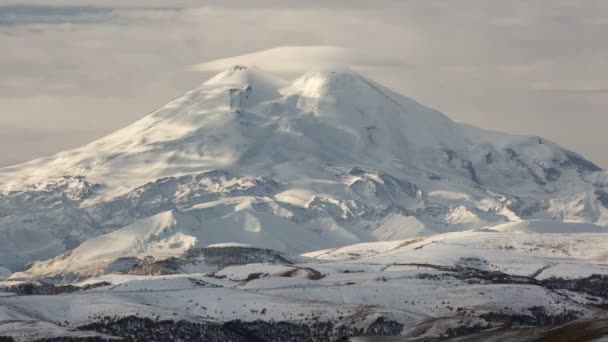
(516,254)
(329,159)
(547,227)
(413,282)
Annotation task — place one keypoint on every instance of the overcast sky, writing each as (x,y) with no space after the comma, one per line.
(78,70)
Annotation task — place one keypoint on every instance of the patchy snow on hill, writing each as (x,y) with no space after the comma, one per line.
(444,285)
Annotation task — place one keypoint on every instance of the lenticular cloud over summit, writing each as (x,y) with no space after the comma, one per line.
(298,59)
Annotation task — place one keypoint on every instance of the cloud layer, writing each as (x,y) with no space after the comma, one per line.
(71,74)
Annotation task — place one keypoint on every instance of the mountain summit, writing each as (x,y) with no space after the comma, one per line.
(330,159)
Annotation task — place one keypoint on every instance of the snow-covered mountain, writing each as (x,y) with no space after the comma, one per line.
(327,160)
(190,224)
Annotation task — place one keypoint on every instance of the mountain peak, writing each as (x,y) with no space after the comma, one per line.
(242,75)
(319,83)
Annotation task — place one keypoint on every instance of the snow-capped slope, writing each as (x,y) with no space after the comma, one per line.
(529,254)
(547,227)
(425,289)
(329,159)
(142,247)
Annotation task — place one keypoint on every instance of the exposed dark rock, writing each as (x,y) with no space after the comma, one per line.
(596,285)
(535,177)
(602,196)
(253,276)
(77,339)
(489,158)
(228,256)
(512,154)
(384,327)
(316,331)
(527,209)
(521,163)
(538,317)
(156,267)
(216,257)
(468,165)
(583,330)
(581,164)
(577,331)
(433,176)
(238,96)
(356,171)
(552,174)
(311,273)
(138,329)
(370,130)
(450,154)
(31,289)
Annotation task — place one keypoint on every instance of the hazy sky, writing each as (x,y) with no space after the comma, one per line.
(76,71)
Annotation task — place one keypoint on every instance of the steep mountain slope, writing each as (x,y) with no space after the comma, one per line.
(330,159)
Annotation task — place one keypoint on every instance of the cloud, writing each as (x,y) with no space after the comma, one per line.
(571,87)
(13,15)
(299,59)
